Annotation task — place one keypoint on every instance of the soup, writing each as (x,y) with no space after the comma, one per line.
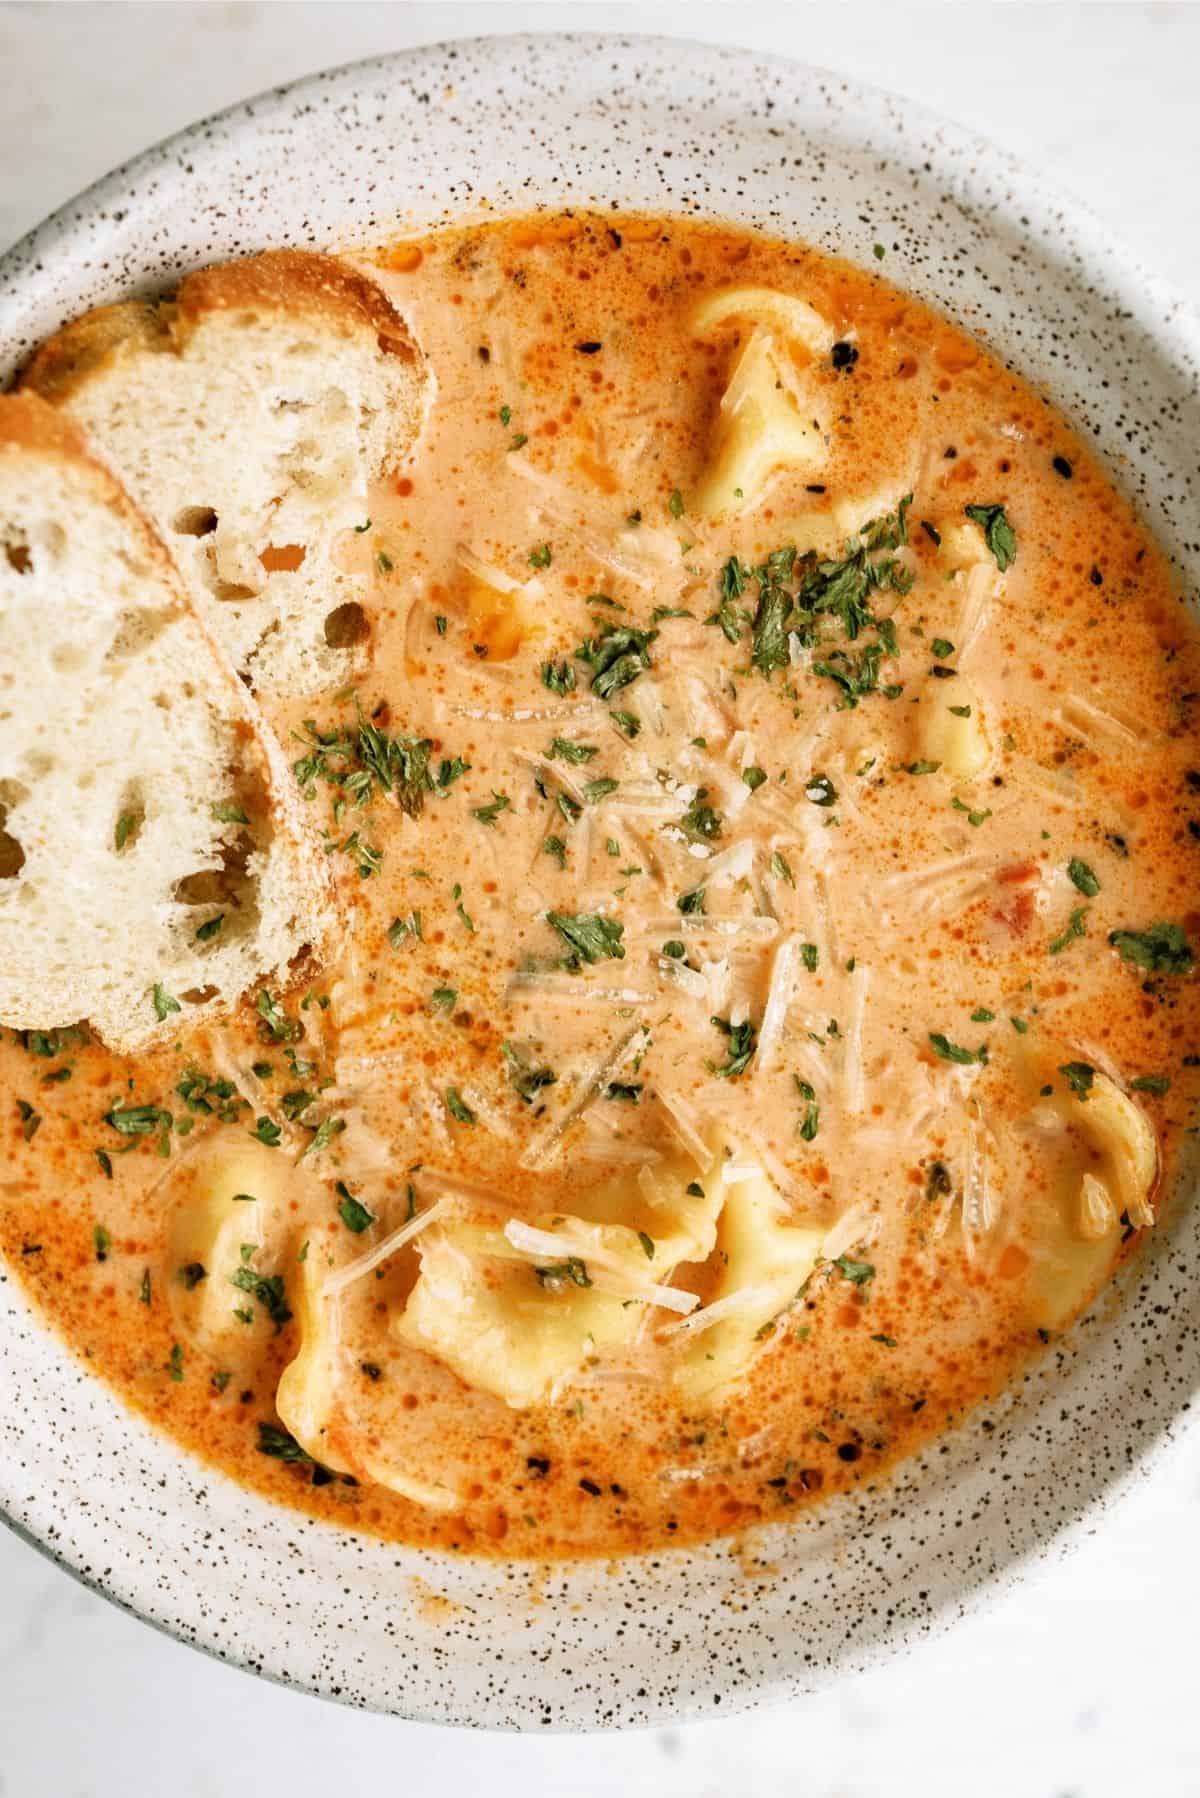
(767,826)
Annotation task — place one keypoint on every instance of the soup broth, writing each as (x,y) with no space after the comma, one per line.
(767,825)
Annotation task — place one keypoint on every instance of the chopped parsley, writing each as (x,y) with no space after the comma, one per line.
(1083,877)
(1076,928)
(352,1211)
(528,1081)
(974,818)
(562,749)
(742,1040)
(572,1271)
(810,1122)
(781,868)
(1158,1084)
(1161,948)
(457,1106)
(998,533)
(948,1051)
(275,1026)
(591,938)
(700,821)
(487,814)
(164,1002)
(1079,1076)
(857,1272)
(559,677)
(616,655)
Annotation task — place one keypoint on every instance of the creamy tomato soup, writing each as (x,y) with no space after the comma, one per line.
(766,821)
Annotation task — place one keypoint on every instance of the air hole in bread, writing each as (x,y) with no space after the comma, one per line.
(347,625)
(18,558)
(195,521)
(136,631)
(229,887)
(12,856)
(283,558)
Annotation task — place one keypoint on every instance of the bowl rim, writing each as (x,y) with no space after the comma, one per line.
(1124,277)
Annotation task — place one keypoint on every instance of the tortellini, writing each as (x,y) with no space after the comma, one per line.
(307,1403)
(951,729)
(504,1324)
(767,418)
(217,1229)
(767,1258)
(789,317)
(1100,1153)
(304,1396)
(514,1323)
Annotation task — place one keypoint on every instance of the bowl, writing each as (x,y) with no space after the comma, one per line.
(455,131)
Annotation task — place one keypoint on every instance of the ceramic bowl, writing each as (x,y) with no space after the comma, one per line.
(447,133)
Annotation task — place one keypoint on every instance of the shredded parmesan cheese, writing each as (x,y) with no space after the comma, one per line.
(336,1283)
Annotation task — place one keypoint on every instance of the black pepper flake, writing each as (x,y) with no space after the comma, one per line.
(815,487)
(941,673)
(1193,779)
(484,354)
(538,1464)
(591,1487)
(933,534)
(372,1370)
(589,349)
(948,455)
(1061,466)
(1194,829)
(844,355)
(1096,578)
(617,239)
(848,1451)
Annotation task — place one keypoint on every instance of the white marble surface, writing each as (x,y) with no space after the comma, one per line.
(1080,1684)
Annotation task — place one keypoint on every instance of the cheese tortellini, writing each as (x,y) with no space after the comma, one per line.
(514,1320)
(218,1228)
(768,418)
(1100,1153)
(951,729)
(307,1401)
(767,1258)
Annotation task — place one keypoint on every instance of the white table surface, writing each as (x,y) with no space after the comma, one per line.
(1082,1683)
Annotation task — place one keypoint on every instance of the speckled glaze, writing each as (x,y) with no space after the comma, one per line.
(406,143)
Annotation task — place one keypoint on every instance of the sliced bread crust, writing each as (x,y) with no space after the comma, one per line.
(247,414)
(155,858)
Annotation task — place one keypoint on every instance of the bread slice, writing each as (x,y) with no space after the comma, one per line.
(141,798)
(247,415)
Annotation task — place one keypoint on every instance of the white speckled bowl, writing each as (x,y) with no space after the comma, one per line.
(513,123)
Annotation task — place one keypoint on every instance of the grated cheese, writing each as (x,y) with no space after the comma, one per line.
(720,1309)
(854,1080)
(779,997)
(337,1283)
(547,1144)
